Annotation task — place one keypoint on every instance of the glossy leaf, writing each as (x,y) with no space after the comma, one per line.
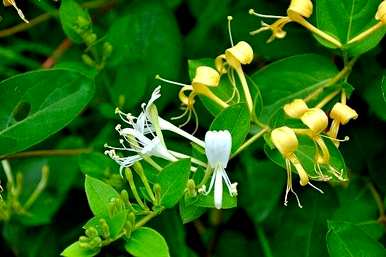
(99,195)
(40,102)
(75,250)
(173,179)
(346,19)
(74,19)
(290,78)
(236,120)
(347,240)
(145,242)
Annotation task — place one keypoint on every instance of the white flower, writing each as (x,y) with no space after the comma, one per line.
(217,149)
(140,136)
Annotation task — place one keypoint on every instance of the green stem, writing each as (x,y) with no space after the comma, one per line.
(129,177)
(249,141)
(264,242)
(39,188)
(208,173)
(51,152)
(150,161)
(145,219)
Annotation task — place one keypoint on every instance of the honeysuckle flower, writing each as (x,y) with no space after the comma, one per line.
(7,3)
(218,146)
(286,142)
(296,12)
(205,78)
(302,8)
(296,108)
(141,137)
(340,114)
(381,12)
(232,60)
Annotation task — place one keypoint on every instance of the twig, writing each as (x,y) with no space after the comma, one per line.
(52,152)
(57,53)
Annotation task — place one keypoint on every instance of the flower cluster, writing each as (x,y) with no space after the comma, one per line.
(316,122)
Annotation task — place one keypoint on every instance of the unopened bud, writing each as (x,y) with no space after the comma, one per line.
(191,188)
(285,140)
(296,108)
(107,49)
(302,7)
(88,60)
(343,113)
(91,232)
(105,228)
(315,119)
(241,53)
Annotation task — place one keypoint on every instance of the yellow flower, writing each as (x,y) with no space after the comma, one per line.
(296,108)
(381,12)
(232,60)
(7,3)
(286,142)
(204,79)
(340,114)
(297,8)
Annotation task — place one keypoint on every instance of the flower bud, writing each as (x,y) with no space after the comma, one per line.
(315,119)
(241,53)
(285,140)
(296,108)
(343,113)
(206,76)
(302,7)
(381,12)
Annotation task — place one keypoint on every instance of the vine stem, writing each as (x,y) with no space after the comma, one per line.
(379,202)
(144,220)
(250,141)
(51,152)
(46,16)
(57,53)
(342,74)
(264,242)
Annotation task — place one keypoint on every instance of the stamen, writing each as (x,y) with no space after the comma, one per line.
(230,18)
(158,77)
(346,138)
(252,12)
(309,183)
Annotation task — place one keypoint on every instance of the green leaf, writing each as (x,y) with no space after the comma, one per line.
(145,242)
(261,186)
(75,250)
(374,94)
(173,179)
(207,201)
(344,239)
(74,19)
(236,120)
(346,19)
(96,165)
(290,78)
(37,104)
(190,212)
(99,195)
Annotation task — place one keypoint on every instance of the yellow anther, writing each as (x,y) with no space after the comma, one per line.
(302,7)
(241,53)
(206,76)
(315,119)
(381,12)
(285,140)
(343,113)
(296,108)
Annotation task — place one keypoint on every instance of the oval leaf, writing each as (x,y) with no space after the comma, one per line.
(75,250)
(99,195)
(37,104)
(146,242)
(173,179)
(236,120)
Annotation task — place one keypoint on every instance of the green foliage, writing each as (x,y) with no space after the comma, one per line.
(172,180)
(147,242)
(40,102)
(147,183)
